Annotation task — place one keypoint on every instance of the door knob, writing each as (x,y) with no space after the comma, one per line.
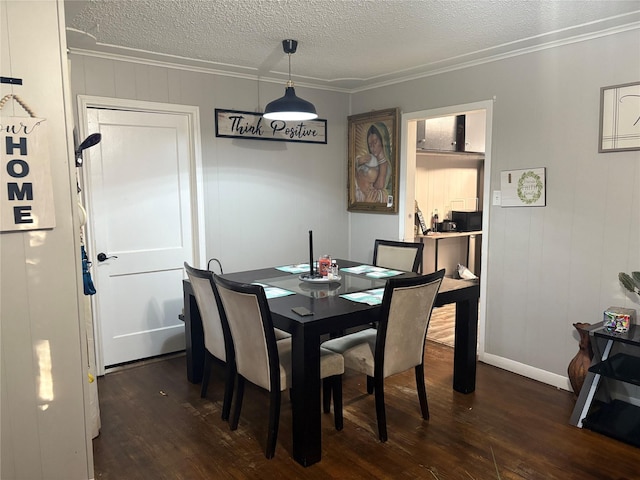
(103,256)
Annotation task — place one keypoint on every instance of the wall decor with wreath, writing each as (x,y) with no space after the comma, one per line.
(523,188)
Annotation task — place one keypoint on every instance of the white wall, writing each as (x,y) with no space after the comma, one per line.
(261,197)
(552,266)
(446,183)
(43,343)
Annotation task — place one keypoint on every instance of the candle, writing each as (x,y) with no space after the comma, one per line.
(310,254)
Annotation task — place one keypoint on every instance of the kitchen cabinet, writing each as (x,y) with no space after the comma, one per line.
(455,133)
(616,359)
(437,134)
(474,131)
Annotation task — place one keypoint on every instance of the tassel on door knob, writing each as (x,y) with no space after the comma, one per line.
(103,256)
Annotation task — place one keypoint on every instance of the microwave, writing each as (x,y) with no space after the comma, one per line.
(467,221)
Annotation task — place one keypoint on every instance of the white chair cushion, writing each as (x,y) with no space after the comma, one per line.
(281,334)
(331,363)
(400,258)
(358,350)
(284,355)
(211,322)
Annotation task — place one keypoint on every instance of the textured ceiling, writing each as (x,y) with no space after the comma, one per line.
(343,44)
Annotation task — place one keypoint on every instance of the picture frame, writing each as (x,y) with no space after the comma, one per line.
(253,126)
(373,161)
(619,118)
(524,188)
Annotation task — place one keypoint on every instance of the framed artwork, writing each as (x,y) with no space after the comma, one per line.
(251,125)
(619,118)
(524,188)
(373,161)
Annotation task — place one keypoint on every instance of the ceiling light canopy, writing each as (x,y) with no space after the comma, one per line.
(290,107)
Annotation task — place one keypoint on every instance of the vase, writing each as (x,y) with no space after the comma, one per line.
(579,365)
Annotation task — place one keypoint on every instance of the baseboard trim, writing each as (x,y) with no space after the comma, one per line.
(142,361)
(528,371)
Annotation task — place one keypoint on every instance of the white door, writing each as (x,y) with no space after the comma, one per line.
(139,201)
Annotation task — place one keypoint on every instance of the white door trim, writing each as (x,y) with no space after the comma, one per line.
(407,185)
(196,177)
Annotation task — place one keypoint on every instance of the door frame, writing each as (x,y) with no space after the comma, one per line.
(407,186)
(196,181)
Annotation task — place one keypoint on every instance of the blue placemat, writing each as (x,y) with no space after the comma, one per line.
(370,297)
(274,292)
(371,271)
(297,268)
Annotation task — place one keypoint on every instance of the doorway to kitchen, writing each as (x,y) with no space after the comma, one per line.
(450,175)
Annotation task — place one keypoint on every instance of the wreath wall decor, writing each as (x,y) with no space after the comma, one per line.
(523,188)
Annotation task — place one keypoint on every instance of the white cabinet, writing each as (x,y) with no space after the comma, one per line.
(474,131)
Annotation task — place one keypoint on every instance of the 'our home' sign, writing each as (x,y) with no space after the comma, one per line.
(25,175)
(235,124)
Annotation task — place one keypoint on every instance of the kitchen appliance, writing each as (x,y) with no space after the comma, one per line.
(447,226)
(467,221)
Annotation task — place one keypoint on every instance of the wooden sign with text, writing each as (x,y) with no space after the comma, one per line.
(25,177)
(251,125)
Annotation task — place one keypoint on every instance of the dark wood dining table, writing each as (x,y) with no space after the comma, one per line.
(331,313)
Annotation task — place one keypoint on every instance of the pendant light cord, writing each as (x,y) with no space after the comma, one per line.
(290,82)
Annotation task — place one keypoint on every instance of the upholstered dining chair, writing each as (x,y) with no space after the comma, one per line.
(280,334)
(217,338)
(405,256)
(262,360)
(398,342)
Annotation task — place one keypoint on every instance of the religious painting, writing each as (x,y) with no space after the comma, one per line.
(373,161)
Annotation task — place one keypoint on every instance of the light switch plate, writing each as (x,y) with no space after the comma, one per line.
(497,197)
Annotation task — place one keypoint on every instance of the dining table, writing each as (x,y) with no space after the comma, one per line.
(331,312)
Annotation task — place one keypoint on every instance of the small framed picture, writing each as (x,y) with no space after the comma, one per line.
(523,188)
(373,162)
(619,118)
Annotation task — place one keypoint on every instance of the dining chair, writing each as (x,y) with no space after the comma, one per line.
(405,256)
(217,338)
(397,344)
(280,334)
(262,360)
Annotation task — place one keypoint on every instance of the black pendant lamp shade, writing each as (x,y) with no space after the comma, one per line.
(290,107)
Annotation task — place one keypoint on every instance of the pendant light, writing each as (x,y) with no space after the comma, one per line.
(290,107)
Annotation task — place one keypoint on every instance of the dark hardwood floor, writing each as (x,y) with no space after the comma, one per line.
(156,426)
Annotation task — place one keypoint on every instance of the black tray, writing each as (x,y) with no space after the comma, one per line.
(621,367)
